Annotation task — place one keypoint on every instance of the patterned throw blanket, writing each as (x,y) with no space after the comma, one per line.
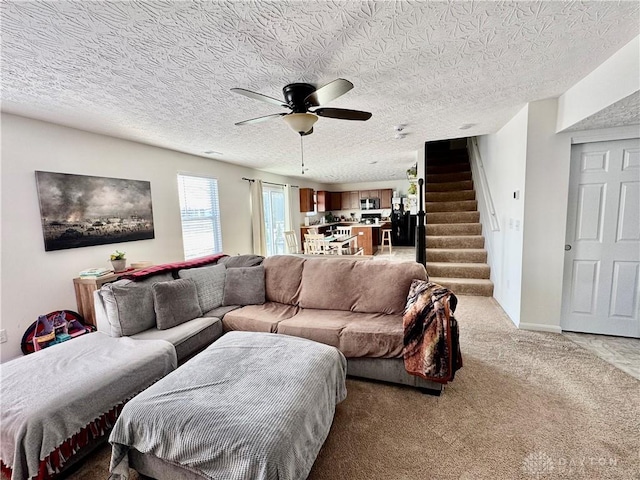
(431,346)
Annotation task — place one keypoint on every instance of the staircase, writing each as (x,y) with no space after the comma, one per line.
(456,257)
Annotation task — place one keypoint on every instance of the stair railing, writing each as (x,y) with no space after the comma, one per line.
(421,245)
(482,186)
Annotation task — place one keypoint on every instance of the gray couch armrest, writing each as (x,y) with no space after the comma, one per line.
(102,320)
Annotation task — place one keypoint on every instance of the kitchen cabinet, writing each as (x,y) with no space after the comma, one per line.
(354,201)
(323,200)
(369,194)
(328,201)
(368,238)
(385,198)
(336,201)
(350,200)
(306,200)
(346,200)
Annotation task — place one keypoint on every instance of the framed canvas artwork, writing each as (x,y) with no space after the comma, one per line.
(81,210)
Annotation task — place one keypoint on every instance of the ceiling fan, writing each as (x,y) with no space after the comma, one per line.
(300,98)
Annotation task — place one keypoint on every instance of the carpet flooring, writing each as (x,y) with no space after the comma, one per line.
(526,405)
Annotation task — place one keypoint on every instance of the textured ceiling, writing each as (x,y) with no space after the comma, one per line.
(160,72)
(621,113)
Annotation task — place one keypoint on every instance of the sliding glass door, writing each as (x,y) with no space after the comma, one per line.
(274,214)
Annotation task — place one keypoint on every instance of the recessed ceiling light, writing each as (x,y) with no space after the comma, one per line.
(212,152)
(466,126)
(373,163)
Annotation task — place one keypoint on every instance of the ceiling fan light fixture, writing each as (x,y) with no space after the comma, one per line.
(300,122)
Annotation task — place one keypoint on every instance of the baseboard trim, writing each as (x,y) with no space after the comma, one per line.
(540,327)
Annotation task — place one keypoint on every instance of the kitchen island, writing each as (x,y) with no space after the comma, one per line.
(369,235)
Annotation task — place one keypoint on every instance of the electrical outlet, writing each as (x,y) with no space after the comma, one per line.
(3,335)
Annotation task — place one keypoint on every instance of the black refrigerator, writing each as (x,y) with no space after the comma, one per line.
(403,229)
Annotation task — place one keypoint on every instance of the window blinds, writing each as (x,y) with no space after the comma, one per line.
(200,215)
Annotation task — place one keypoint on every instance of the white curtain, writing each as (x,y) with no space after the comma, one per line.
(291,215)
(290,222)
(257,219)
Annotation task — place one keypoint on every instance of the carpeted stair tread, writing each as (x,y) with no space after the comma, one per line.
(453,217)
(466,286)
(449,186)
(455,241)
(457,206)
(449,168)
(448,177)
(455,250)
(461,255)
(448,159)
(458,270)
(455,196)
(471,228)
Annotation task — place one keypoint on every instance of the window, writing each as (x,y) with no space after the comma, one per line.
(200,214)
(273,201)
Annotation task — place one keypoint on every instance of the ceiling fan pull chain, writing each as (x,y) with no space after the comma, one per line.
(302,154)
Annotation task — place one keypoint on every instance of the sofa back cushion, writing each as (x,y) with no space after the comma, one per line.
(129,305)
(358,286)
(239,261)
(244,286)
(209,282)
(282,278)
(175,302)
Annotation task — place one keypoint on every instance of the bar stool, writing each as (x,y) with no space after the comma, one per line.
(386,240)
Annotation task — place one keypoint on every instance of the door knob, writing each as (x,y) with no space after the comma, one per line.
(567,248)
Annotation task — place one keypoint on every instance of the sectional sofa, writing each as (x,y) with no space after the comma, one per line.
(354,306)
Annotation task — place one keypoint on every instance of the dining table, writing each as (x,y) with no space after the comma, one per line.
(342,243)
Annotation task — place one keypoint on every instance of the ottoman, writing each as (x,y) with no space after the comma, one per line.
(252,405)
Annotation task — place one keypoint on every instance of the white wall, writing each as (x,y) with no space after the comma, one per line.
(527,254)
(504,155)
(616,78)
(545,218)
(34,282)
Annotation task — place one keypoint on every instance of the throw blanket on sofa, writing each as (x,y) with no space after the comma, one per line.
(431,347)
(51,396)
(171,267)
(251,406)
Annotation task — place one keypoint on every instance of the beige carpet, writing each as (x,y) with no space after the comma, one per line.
(526,405)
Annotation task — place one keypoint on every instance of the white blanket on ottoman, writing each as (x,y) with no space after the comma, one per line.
(50,395)
(252,405)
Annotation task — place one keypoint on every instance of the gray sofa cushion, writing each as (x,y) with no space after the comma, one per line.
(188,337)
(209,283)
(241,261)
(129,305)
(244,286)
(221,311)
(175,302)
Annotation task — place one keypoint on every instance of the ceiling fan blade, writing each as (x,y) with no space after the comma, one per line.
(328,92)
(260,119)
(259,96)
(342,113)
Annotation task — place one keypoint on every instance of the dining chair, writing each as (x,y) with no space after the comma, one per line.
(292,241)
(341,231)
(316,244)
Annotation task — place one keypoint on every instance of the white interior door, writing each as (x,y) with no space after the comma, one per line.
(601,289)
